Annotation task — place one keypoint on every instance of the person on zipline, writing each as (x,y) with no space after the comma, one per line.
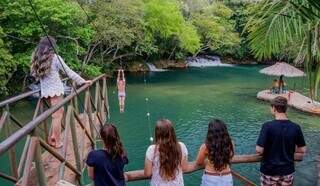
(45,67)
(121,84)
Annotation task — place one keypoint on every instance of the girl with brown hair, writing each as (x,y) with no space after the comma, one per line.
(167,159)
(218,150)
(106,166)
(45,67)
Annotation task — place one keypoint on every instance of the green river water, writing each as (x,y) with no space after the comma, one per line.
(190,98)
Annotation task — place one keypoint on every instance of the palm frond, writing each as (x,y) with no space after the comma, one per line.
(288,26)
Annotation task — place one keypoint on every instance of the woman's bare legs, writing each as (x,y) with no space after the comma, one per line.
(55,138)
(122,102)
(120,106)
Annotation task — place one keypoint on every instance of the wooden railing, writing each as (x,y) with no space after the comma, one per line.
(237,159)
(35,132)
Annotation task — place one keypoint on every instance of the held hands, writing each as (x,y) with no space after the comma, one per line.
(88,82)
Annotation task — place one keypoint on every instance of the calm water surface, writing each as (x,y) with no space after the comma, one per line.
(190,98)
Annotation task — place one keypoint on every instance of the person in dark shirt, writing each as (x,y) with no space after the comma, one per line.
(105,166)
(278,143)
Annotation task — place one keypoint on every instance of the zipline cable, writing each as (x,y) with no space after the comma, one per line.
(20,39)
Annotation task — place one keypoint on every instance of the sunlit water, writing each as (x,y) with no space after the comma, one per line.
(190,98)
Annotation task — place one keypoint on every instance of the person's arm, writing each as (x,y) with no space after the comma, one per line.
(69,72)
(118,78)
(147,168)
(148,160)
(123,78)
(300,152)
(185,165)
(259,150)
(91,162)
(301,147)
(202,154)
(262,139)
(91,172)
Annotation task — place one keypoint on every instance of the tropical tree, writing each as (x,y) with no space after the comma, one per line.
(21,31)
(7,66)
(216,29)
(171,33)
(277,27)
(119,29)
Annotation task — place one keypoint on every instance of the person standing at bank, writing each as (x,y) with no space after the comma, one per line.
(279,141)
(45,67)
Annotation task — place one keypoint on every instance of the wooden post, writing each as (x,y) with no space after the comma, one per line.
(65,141)
(23,155)
(75,100)
(107,100)
(29,159)
(96,97)
(103,113)
(39,108)
(39,166)
(12,151)
(3,119)
(92,124)
(75,142)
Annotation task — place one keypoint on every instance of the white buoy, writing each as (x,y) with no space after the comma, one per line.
(114,92)
(151,139)
(148,114)
(147,99)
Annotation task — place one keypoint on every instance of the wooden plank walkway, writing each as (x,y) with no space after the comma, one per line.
(52,165)
(297,101)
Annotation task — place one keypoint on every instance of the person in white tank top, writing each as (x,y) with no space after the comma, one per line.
(167,159)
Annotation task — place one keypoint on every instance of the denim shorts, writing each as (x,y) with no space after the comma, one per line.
(209,180)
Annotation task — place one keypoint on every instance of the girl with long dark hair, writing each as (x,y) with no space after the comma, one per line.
(218,150)
(167,158)
(106,166)
(45,67)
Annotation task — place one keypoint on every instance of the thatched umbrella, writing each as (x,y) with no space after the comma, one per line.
(282,68)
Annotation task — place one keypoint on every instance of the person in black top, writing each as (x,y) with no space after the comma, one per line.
(105,166)
(279,141)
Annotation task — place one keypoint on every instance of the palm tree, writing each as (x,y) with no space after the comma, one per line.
(290,27)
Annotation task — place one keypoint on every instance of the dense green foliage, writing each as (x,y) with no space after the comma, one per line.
(216,28)
(116,32)
(7,65)
(113,31)
(22,31)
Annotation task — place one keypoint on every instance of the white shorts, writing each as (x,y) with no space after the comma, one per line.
(121,94)
(208,180)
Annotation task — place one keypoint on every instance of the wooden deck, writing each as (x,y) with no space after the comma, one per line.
(296,100)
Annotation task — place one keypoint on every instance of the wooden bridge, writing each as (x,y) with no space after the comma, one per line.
(40,164)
